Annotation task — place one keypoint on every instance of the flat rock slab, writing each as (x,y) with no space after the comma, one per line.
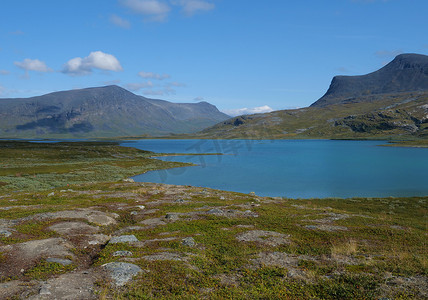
(153,222)
(33,250)
(75,285)
(98,239)
(123,239)
(121,272)
(269,238)
(93,216)
(73,228)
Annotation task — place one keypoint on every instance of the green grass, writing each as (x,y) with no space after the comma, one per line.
(385,237)
(42,166)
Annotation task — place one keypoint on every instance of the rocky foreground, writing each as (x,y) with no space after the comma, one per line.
(144,241)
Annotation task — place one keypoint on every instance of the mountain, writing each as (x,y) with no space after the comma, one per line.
(406,73)
(101,112)
(389,103)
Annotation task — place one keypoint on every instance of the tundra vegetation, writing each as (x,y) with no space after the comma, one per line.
(73,226)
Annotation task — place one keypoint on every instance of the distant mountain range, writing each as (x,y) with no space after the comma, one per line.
(108,111)
(389,103)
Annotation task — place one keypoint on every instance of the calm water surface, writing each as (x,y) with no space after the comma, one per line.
(294,168)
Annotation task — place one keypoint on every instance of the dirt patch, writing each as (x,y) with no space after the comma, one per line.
(23,256)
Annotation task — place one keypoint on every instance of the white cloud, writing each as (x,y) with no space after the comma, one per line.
(153,10)
(138,86)
(32,65)
(248,111)
(150,75)
(118,21)
(199,98)
(4,72)
(191,7)
(95,60)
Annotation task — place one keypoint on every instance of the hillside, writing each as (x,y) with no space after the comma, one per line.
(389,103)
(406,73)
(101,112)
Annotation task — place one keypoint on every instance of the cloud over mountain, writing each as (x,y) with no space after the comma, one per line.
(95,60)
(248,111)
(33,65)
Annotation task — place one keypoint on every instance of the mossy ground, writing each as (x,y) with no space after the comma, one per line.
(358,248)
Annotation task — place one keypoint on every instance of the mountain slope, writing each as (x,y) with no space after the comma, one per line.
(391,102)
(406,73)
(101,112)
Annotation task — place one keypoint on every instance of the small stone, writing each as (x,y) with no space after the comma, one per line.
(129,180)
(215,211)
(179,201)
(141,207)
(171,216)
(122,253)
(44,290)
(51,194)
(5,232)
(133,213)
(123,239)
(222,198)
(61,261)
(189,242)
(121,272)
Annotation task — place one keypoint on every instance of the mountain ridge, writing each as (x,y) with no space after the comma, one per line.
(391,102)
(107,111)
(406,73)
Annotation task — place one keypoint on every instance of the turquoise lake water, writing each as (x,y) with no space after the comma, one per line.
(294,168)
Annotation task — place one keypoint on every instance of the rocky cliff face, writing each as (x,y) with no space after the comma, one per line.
(101,112)
(406,73)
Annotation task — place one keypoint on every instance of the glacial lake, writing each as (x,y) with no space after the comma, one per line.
(294,168)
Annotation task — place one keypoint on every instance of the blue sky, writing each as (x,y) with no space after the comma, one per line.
(234,54)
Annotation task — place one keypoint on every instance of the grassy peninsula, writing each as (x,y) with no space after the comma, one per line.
(70,225)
